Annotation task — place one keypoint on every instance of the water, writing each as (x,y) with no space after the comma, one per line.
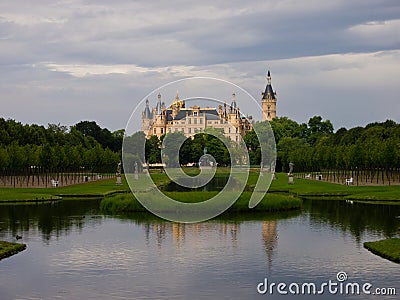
(74,252)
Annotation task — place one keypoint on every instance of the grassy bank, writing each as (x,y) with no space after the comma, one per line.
(389,248)
(271,202)
(8,249)
(307,188)
(94,189)
(304,188)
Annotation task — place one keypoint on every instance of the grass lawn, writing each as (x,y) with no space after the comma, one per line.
(305,188)
(326,190)
(389,248)
(8,249)
(271,202)
(97,189)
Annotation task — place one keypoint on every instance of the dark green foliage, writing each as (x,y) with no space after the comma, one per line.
(270,202)
(314,146)
(101,135)
(24,147)
(191,149)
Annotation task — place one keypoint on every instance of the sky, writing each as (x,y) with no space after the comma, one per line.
(73,60)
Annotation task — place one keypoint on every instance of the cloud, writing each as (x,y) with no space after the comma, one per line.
(92,58)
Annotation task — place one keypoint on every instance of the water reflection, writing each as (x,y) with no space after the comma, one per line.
(51,220)
(270,239)
(357,218)
(55,219)
(161,231)
(74,252)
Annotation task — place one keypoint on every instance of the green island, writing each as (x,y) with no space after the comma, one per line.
(281,195)
(8,249)
(388,248)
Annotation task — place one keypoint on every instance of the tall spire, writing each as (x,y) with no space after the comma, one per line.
(147,114)
(158,107)
(233,105)
(269,92)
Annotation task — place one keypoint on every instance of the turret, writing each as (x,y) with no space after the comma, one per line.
(146,112)
(147,118)
(268,101)
(159,104)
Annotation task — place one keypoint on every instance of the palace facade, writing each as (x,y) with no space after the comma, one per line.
(191,120)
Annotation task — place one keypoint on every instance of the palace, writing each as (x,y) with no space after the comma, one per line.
(178,118)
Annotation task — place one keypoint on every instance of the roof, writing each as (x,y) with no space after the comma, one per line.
(234,105)
(147,114)
(269,90)
(211,114)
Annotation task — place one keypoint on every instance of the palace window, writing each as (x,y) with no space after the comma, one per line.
(162,130)
(154,131)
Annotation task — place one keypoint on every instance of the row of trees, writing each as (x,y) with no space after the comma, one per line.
(370,154)
(83,146)
(373,150)
(20,158)
(85,133)
(375,146)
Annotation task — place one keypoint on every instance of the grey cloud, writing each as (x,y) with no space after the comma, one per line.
(234,40)
(180,32)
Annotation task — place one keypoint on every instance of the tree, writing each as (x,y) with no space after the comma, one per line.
(318,128)
(170,148)
(153,150)
(284,127)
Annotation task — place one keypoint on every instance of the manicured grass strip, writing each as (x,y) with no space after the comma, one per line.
(8,249)
(325,190)
(304,188)
(389,248)
(94,189)
(11,195)
(270,202)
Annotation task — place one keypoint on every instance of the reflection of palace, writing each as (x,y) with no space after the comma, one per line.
(178,231)
(270,238)
(179,118)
